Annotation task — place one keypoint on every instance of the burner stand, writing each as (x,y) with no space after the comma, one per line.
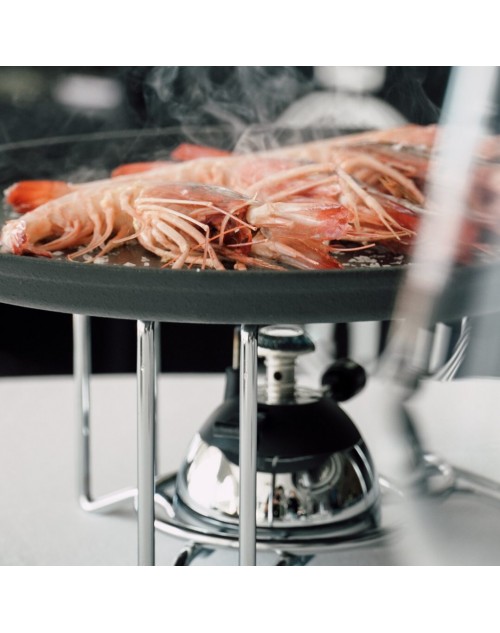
(147,390)
(171,518)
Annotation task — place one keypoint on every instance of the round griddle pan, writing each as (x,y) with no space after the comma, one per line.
(254,296)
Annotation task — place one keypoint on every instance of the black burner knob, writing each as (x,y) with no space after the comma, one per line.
(344,379)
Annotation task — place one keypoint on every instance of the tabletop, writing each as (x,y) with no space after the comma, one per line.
(41,522)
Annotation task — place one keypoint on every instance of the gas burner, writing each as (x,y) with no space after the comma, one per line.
(316,484)
(293,545)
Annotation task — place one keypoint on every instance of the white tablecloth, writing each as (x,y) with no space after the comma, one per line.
(42,524)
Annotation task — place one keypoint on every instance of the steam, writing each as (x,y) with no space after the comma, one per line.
(237,98)
(238,95)
(250,101)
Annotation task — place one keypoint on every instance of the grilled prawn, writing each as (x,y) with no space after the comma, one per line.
(286,205)
(182,223)
(105,214)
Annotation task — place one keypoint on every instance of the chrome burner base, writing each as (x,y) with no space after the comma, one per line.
(177,520)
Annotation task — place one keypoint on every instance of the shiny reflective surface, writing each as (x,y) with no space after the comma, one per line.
(146,432)
(81,370)
(248,444)
(182,522)
(343,488)
(310,468)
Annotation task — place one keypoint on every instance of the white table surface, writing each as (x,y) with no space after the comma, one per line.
(41,522)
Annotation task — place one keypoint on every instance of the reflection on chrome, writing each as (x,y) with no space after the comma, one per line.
(341,489)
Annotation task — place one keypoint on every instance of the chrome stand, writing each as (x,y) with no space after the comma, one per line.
(248,445)
(81,370)
(442,477)
(147,391)
(146,432)
(147,388)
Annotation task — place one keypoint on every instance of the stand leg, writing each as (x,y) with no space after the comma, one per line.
(146,423)
(81,371)
(156,378)
(248,445)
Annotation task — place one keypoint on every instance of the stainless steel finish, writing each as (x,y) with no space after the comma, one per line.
(182,523)
(339,490)
(342,490)
(450,368)
(81,372)
(146,431)
(157,374)
(466,481)
(440,344)
(443,478)
(248,444)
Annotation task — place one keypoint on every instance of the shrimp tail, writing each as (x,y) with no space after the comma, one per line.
(189,151)
(129,169)
(27,195)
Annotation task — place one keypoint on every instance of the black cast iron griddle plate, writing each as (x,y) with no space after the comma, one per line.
(255,296)
(230,297)
(198,296)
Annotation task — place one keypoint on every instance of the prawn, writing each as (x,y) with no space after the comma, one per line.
(105,214)
(293,204)
(68,222)
(235,171)
(184,224)
(285,205)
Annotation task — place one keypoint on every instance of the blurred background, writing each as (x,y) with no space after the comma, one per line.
(42,102)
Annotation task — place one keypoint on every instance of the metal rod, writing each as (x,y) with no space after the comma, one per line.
(146,422)
(157,374)
(81,372)
(248,445)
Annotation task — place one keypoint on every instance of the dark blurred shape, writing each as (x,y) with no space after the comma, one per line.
(33,103)
(416,91)
(39,342)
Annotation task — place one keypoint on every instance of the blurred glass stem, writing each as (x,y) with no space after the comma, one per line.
(407,357)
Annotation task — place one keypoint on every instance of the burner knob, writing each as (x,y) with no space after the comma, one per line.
(288,339)
(280,345)
(344,379)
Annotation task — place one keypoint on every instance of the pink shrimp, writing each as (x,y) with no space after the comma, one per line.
(105,214)
(182,223)
(287,207)
(68,222)
(287,199)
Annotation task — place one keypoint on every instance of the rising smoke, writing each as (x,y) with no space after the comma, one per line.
(203,95)
(232,96)
(241,96)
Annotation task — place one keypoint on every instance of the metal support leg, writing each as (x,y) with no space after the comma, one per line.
(156,377)
(248,444)
(81,370)
(146,431)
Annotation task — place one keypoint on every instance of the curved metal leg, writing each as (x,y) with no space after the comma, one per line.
(146,432)
(189,553)
(81,371)
(248,444)
(292,560)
